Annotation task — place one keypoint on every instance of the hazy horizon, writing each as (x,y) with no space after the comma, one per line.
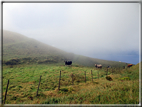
(108,31)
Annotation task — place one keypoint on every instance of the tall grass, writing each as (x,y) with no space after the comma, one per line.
(24,82)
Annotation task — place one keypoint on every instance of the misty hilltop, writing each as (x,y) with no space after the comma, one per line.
(17,45)
(28,50)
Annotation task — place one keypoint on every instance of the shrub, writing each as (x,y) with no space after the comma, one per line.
(14,61)
(63,90)
(109,78)
(46,61)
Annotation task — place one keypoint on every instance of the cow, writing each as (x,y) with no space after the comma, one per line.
(98,66)
(129,65)
(68,62)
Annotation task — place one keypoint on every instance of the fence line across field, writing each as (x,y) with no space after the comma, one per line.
(72,76)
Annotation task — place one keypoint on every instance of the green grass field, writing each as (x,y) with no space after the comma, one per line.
(24,80)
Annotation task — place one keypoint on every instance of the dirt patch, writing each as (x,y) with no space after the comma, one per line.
(49,93)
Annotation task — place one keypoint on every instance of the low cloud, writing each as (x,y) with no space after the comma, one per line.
(90,29)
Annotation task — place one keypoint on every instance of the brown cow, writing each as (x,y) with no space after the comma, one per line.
(98,66)
(129,65)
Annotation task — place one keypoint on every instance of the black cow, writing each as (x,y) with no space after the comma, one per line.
(68,62)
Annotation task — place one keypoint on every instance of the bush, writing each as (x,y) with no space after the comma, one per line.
(46,61)
(14,61)
(109,78)
(63,90)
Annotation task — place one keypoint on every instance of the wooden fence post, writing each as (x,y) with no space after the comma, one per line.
(38,86)
(72,79)
(59,81)
(132,90)
(85,76)
(6,91)
(98,74)
(60,74)
(92,75)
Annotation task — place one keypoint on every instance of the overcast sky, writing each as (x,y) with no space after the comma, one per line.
(108,31)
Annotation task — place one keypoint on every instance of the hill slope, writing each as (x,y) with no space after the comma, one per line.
(19,46)
(16,45)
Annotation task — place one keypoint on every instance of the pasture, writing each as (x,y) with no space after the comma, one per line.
(24,80)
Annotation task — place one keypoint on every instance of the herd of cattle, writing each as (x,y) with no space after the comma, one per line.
(96,65)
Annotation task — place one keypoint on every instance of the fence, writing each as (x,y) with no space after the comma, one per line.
(59,86)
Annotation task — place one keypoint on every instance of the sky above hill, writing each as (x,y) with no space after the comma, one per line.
(109,31)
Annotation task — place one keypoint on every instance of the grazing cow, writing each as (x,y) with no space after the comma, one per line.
(129,65)
(68,62)
(98,66)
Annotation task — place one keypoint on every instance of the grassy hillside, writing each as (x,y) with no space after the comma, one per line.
(12,37)
(24,80)
(20,47)
(26,50)
(32,59)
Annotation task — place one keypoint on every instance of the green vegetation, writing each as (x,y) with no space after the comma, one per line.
(24,81)
(25,60)
(125,78)
(18,49)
